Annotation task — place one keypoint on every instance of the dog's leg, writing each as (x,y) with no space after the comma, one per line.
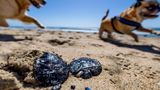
(100,33)
(3,22)
(108,32)
(28,19)
(148,30)
(144,30)
(110,36)
(133,35)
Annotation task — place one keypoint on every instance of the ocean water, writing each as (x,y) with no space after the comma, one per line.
(73,29)
(78,29)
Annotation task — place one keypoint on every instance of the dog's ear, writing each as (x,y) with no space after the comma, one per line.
(137,4)
(159,7)
(139,0)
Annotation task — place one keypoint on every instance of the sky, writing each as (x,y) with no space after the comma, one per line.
(79,13)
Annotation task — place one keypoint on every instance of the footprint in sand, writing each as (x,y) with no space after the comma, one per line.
(8,81)
(56,42)
(21,63)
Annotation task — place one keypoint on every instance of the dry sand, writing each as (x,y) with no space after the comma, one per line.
(127,65)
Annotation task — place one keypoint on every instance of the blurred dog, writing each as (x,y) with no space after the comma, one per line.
(16,9)
(131,19)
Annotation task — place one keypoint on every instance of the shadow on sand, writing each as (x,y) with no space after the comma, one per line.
(145,48)
(8,38)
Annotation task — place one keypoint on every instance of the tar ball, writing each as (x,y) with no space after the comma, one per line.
(85,67)
(50,70)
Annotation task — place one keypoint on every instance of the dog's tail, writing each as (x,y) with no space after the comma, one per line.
(106,15)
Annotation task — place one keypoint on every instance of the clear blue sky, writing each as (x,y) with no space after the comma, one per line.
(80,13)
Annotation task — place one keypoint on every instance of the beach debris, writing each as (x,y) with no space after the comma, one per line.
(85,67)
(51,70)
(73,87)
(87,88)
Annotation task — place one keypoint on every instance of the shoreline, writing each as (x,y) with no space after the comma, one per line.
(74,29)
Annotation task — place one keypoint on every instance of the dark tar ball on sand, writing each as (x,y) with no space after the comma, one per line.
(85,67)
(51,70)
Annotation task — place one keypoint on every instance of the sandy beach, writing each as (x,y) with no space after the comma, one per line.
(127,65)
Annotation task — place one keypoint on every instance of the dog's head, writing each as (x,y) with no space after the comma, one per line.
(38,3)
(147,8)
